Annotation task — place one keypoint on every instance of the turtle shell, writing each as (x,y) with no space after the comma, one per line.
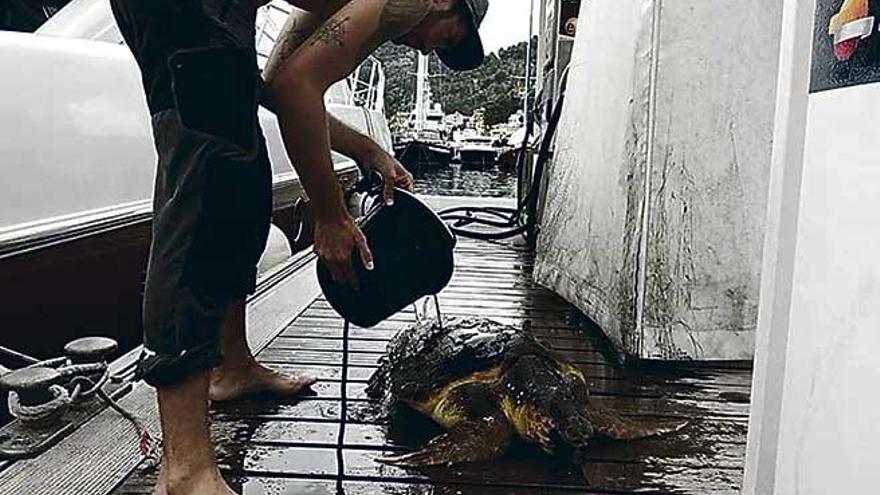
(424,358)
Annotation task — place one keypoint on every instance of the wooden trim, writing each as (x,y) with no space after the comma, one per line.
(25,238)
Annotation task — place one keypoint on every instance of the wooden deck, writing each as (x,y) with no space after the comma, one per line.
(290,447)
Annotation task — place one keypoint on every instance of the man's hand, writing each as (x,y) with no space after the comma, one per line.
(370,157)
(335,241)
(392,171)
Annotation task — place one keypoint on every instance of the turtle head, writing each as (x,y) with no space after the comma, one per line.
(547,401)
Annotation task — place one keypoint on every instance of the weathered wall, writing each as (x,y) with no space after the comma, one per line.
(655,208)
(712,129)
(592,213)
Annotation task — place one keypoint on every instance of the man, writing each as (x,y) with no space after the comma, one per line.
(212,198)
(299,73)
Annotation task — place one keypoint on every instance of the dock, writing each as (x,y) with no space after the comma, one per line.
(292,446)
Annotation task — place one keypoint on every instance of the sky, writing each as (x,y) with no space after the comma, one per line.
(506,23)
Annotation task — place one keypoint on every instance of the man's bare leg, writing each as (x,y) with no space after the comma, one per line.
(240,374)
(188,464)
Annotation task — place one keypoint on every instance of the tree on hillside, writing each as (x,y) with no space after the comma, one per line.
(497,85)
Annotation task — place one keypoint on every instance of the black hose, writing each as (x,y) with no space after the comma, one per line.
(543,156)
(18,355)
(509,222)
(462,220)
(343,415)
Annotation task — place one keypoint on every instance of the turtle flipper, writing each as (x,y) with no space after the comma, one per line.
(469,441)
(611,425)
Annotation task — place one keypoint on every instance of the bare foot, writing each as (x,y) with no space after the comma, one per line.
(207,483)
(231,383)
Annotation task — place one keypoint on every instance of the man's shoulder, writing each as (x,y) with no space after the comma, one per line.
(404,14)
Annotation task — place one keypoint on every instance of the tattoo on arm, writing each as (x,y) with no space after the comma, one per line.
(292,36)
(331,32)
(291,41)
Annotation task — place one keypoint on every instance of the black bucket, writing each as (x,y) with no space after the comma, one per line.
(412,257)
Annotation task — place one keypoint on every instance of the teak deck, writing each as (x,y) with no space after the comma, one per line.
(290,447)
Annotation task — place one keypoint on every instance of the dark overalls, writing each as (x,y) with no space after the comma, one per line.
(213,192)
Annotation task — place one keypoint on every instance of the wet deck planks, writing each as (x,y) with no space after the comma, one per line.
(290,446)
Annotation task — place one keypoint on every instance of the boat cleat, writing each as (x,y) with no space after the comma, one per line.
(90,350)
(32,385)
(35,396)
(51,398)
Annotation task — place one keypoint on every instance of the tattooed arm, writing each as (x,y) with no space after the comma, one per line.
(343,138)
(296,90)
(296,30)
(370,157)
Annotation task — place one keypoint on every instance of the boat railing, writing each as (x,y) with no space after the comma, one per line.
(367,84)
(270,21)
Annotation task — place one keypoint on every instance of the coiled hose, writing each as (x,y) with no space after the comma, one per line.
(502,222)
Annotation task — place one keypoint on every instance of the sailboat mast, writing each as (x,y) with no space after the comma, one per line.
(421,90)
(528,71)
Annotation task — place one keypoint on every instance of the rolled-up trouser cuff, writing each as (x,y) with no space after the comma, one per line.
(181,332)
(161,370)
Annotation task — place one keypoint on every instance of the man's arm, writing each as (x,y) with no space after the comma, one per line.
(296,92)
(343,138)
(297,28)
(370,157)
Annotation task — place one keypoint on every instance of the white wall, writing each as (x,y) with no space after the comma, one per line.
(814,426)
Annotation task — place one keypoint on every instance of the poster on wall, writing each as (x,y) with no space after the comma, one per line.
(568,17)
(846,44)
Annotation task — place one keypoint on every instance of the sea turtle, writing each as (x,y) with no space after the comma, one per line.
(485,383)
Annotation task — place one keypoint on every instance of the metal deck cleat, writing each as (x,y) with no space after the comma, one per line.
(51,398)
(90,349)
(32,385)
(35,396)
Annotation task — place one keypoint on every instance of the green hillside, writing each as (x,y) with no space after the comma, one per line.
(497,85)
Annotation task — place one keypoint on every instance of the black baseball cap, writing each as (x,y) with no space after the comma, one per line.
(468,54)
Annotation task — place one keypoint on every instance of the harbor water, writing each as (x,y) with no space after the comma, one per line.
(454,181)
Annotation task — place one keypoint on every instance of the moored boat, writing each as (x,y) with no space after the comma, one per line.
(416,154)
(477,152)
(422,145)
